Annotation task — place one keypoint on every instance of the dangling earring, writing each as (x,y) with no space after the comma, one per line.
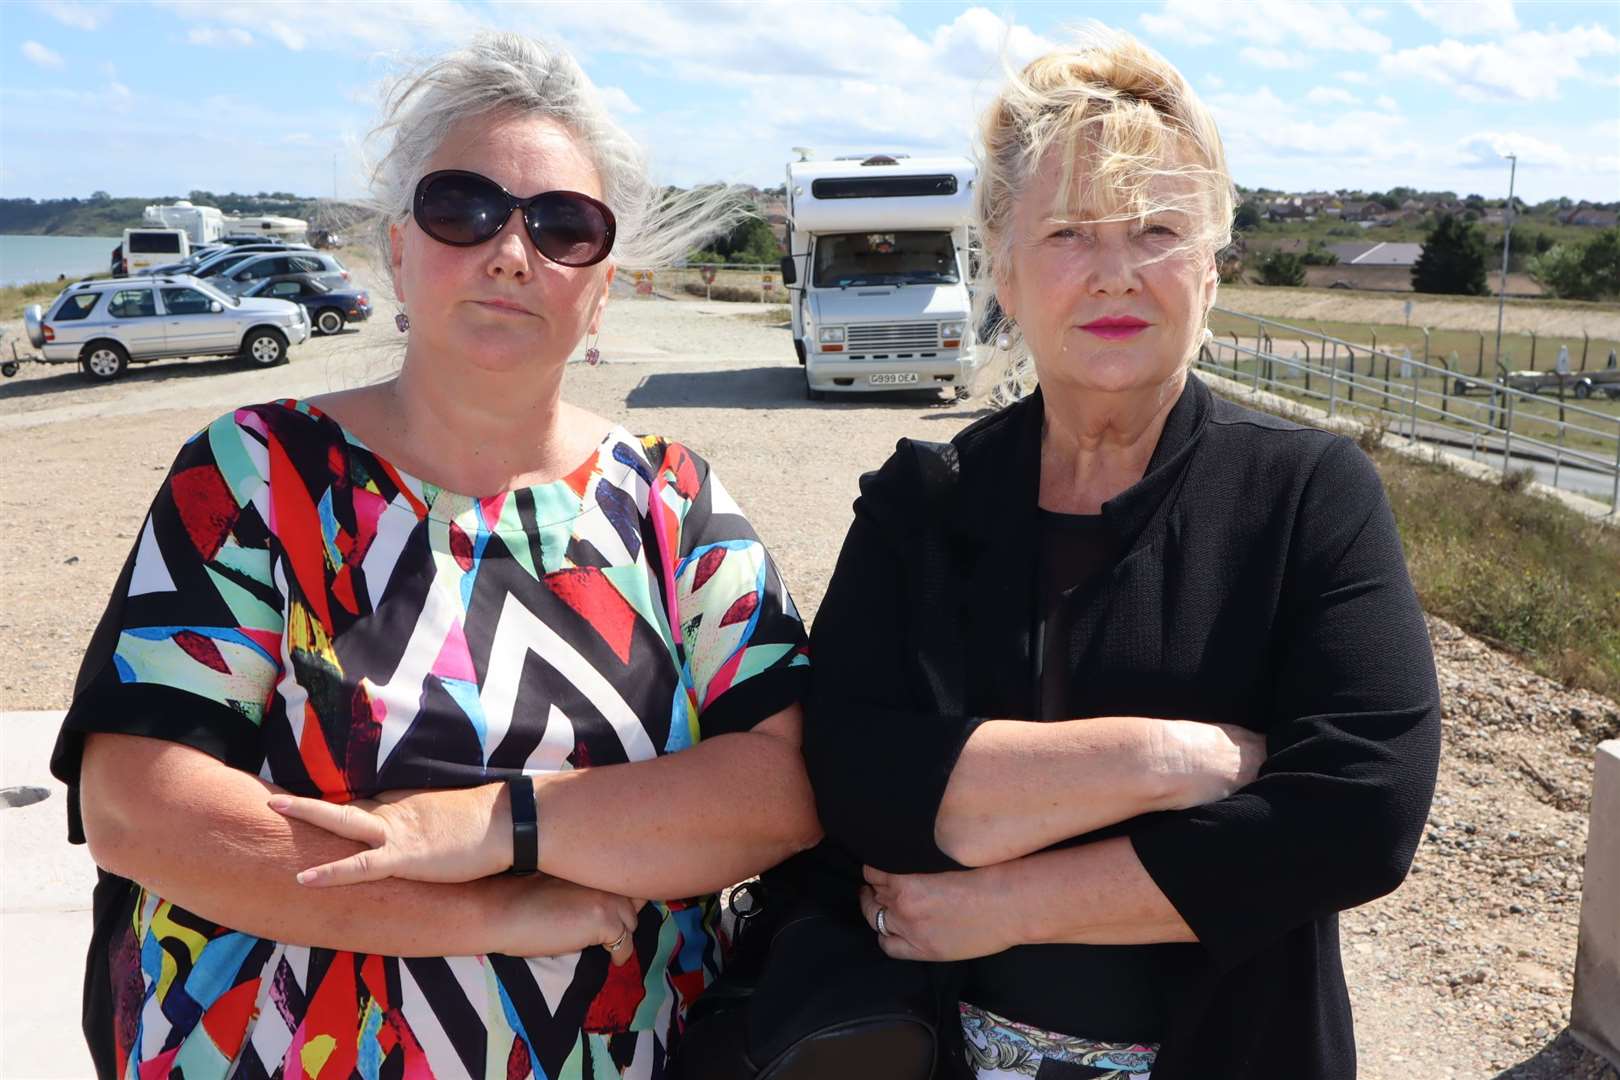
(402,321)
(593,355)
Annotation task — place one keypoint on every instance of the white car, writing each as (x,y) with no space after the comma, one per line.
(106,325)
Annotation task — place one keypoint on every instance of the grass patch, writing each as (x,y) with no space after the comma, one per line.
(13,298)
(1517,570)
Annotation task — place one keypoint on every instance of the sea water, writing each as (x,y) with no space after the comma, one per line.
(45,258)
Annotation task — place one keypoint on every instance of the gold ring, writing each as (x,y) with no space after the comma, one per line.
(613,946)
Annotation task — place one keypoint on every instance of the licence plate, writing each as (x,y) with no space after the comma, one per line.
(898,378)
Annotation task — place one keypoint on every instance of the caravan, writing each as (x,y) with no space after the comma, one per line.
(877,264)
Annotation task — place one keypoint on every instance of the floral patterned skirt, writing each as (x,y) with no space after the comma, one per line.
(1002,1049)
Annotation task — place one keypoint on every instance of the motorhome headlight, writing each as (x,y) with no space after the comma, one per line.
(951,330)
(832,335)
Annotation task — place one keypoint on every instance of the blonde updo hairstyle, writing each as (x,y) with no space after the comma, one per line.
(1118,117)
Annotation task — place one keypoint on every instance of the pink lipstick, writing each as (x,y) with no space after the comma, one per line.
(1115,327)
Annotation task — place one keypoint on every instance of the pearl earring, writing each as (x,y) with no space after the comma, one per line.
(1003,341)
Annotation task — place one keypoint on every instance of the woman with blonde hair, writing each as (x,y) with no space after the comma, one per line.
(1124,693)
(476,655)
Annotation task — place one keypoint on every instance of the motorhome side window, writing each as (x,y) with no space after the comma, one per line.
(890,258)
(76,306)
(154,243)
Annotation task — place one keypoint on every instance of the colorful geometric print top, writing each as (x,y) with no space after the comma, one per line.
(301,609)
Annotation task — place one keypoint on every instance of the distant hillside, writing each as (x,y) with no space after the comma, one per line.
(102,215)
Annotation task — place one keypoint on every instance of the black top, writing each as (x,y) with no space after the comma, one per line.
(1074,548)
(1118,989)
(1260,582)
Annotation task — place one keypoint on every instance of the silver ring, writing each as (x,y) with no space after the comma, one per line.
(882,921)
(613,946)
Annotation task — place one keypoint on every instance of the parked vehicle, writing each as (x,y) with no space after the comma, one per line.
(202,224)
(197,262)
(145,248)
(877,254)
(255,268)
(105,325)
(329,309)
(1578,384)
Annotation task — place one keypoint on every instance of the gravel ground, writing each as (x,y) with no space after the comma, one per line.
(1464,972)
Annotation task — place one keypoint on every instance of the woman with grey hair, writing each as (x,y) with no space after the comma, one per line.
(399,743)
(1048,635)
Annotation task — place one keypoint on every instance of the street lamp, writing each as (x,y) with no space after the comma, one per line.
(1507,233)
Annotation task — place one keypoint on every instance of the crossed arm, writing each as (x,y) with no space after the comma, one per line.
(1328,820)
(210,838)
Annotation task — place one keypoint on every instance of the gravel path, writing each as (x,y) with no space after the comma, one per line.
(1464,972)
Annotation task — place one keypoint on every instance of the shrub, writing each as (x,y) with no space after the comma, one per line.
(1281,268)
(1453,259)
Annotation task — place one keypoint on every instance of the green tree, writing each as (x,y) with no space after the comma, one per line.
(1247,217)
(1453,259)
(752,241)
(1589,271)
(1281,268)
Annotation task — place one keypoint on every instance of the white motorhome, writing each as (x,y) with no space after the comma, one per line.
(202,224)
(877,267)
(291,229)
(144,249)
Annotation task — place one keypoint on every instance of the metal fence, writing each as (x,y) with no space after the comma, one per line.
(761,282)
(1572,446)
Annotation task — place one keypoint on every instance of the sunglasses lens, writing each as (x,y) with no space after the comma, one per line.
(460,209)
(569,228)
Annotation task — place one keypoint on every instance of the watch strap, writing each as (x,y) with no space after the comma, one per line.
(525,826)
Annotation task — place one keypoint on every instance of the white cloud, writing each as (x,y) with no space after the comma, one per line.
(1527,66)
(1271,59)
(1474,17)
(219,36)
(1266,134)
(1486,149)
(79,16)
(1329,25)
(1357,78)
(1331,95)
(389,26)
(618,101)
(1387,103)
(40,55)
(1372,14)
(1214,82)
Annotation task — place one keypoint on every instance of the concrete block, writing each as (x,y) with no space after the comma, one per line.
(1595,1017)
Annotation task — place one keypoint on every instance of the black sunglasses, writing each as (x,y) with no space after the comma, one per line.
(464,209)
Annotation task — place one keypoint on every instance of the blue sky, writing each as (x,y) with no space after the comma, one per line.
(164,97)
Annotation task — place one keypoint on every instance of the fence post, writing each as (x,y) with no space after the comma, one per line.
(1586,343)
(1479,368)
(1507,441)
(1333,379)
(1350,388)
(1307,347)
(1384,400)
(1532,350)
(1415,375)
(1614,495)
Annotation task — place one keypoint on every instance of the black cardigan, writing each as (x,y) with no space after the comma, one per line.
(1261,583)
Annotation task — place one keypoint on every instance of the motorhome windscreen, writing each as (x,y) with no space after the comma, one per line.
(881,187)
(885,258)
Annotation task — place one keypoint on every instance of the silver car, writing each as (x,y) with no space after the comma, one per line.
(254,269)
(105,325)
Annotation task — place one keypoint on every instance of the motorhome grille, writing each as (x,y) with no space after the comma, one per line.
(884,337)
(881,187)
